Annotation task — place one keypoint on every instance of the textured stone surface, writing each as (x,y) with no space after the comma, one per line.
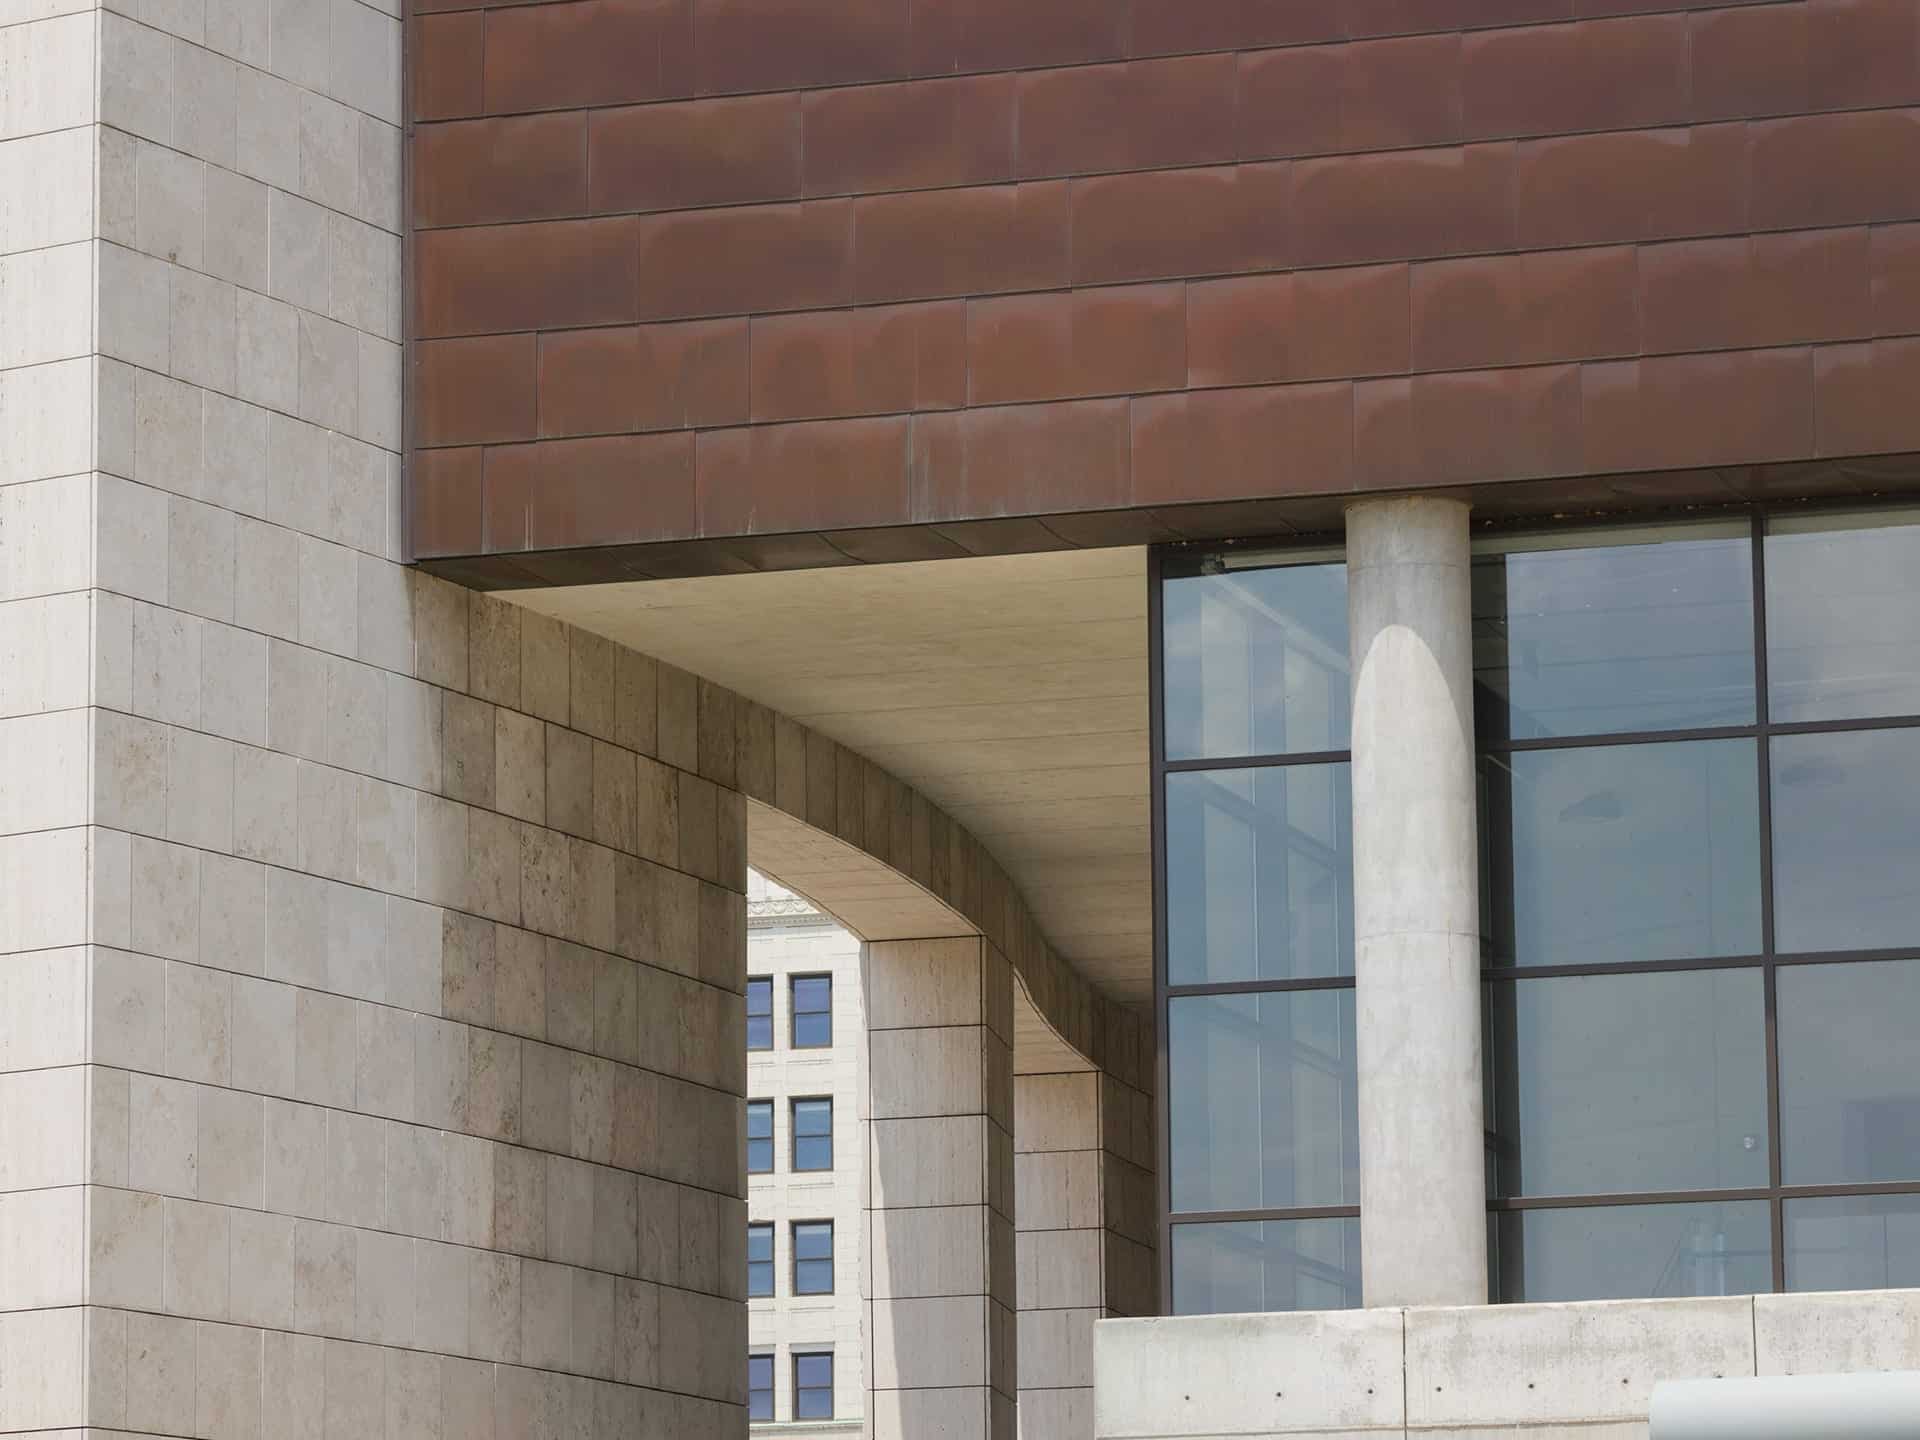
(1556,1371)
(941,1265)
(333,1066)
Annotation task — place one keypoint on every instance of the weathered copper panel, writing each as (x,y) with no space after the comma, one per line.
(724,284)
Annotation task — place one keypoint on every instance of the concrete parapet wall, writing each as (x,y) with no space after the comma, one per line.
(1582,1372)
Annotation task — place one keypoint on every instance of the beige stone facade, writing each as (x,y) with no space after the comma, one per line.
(370,957)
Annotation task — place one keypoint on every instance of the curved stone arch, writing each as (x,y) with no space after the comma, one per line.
(889,864)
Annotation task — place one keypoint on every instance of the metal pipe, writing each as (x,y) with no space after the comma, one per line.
(1884,1406)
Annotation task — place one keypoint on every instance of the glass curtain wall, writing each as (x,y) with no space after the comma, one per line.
(1700,809)
(1255,943)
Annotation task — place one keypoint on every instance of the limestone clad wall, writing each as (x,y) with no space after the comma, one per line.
(370,957)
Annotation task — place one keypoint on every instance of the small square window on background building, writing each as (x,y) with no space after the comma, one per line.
(760,1013)
(813,1257)
(812,1012)
(759,1262)
(812,1135)
(760,1387)
(759,1137)
(813,1386)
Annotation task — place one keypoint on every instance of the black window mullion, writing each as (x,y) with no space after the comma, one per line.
(1763,712)
(1257,762)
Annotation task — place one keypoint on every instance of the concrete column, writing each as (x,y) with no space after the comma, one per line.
(1423,1215)
(940,1266)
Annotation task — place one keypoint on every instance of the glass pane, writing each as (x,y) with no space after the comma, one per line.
(813,1372)
(1261,1265)
(813,993)
(760,1387)
(759,1157)
(1843,617)
(759,1279)
(813,1241)
(1259,874)
(812,1032)
(1630,1082)
(1846,840)
(1648,630)
(813,1404)
(813,1277)
(1849,1080)
(1634,1252)
(1622,852)
(759,1119)
(759,1032)
(813,1117)
(1256,662)
(1263,1101)
(1864,1242)
(759,1242)
(759,997)
(813,1152)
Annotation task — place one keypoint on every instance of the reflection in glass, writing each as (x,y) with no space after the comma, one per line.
(1843,617)
(1644,630)
(1246,1267)
(1259,874)
(1846,840)
(1630,1082)
(1256,661)
(1634,1252)
(1623,852)
(1262,1091)
(1855,1242)
(1850,1072)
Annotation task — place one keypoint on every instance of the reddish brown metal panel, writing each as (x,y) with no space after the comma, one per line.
(494,279)
(475,391)
(645,377)
(478,172)
(909,137)
(1136,116)
(737,283)
(747,259)
(695,153)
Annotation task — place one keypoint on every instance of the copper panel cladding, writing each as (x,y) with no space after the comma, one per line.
(728,284)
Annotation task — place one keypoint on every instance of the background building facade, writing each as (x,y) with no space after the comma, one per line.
(804,1065)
